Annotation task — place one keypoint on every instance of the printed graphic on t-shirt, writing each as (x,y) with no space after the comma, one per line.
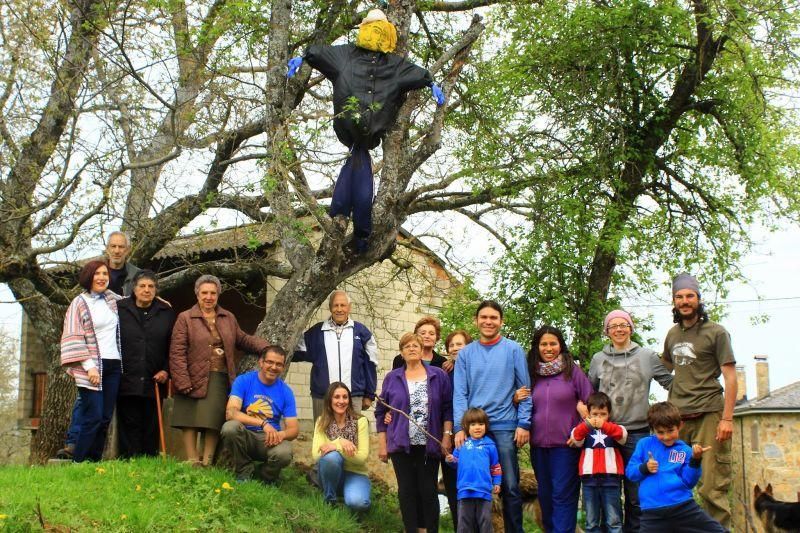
(622,382)
(677,456)
(683,354)
(261,408)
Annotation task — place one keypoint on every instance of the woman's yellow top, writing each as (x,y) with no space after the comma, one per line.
(357,463)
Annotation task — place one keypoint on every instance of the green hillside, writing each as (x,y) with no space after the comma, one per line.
(150,494)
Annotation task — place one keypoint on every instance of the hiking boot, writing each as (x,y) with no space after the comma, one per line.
(66,452)
(264,477)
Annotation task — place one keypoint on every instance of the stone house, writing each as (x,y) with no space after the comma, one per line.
(388,298)
(765,446)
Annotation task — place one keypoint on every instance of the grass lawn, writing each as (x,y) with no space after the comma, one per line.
(151,494)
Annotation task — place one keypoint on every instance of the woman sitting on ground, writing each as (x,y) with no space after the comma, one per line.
(341,448)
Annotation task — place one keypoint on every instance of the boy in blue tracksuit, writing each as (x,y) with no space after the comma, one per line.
(667,469)
(479,474)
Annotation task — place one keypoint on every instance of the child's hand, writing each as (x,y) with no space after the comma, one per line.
(652,464)
(698,450)
(572,443)
(496,489)
(595,422)
(450,458)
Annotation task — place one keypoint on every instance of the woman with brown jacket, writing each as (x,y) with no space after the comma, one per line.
(201,360)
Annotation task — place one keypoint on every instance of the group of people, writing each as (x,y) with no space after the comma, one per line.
(115,344)
(122,343)
(466,413)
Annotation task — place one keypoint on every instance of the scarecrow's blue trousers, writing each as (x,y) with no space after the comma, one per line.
(353,194)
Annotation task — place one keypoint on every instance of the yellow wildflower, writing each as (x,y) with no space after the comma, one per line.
(216,490)
(3,516)
(138,488)
(100,470)
(227,486)
(123,517)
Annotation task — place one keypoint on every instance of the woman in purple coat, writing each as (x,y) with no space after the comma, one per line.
(424,393)
(559,385)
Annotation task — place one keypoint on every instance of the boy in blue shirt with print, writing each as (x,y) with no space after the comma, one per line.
(479,473)
(667,469)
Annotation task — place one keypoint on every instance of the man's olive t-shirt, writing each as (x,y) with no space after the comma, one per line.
(697,355)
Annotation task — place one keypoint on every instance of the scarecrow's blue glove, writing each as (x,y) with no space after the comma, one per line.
(294,65)
(438,94)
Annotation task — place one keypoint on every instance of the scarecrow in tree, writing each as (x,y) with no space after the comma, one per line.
(369,86)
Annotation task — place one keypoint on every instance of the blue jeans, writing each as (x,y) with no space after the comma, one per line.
(632,510)
(97,407)
(336,480)
(74,422)
(559,487)
(603,507)
(512,499)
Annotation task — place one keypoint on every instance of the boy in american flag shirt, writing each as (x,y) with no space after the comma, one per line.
(600,466)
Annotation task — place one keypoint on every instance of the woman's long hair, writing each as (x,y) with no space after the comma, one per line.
(534,358)
(326,418)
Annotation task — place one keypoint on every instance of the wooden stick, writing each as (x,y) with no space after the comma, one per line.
(160,422)
(382,401)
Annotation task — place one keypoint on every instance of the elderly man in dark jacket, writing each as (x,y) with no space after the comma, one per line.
(145,331)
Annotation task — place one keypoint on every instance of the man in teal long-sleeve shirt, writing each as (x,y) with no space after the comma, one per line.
(488,372)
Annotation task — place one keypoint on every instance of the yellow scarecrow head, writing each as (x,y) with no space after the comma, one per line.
(376,33)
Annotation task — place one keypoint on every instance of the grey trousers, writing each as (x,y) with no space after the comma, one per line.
(474,514)
(246,447)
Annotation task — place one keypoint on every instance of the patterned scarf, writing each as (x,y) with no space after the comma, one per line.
(556,366)
(349,431)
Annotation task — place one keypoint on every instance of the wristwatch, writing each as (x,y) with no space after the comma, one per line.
(448,432)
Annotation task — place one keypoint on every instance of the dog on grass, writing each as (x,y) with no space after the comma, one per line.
(775,515)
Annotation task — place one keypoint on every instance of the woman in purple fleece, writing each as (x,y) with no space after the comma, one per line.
(424,393)
(559,385)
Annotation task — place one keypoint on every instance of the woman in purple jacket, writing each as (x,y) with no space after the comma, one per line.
(559,385)
(424,393)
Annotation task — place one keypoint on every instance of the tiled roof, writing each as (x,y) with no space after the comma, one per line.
(254,235)
(784,399)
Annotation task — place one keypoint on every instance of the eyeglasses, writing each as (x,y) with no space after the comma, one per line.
(612,327)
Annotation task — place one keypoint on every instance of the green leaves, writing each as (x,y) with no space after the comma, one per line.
(650,135)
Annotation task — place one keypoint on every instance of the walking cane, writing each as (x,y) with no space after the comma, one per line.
(160,421)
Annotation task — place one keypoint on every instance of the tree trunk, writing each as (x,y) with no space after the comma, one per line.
(48,318)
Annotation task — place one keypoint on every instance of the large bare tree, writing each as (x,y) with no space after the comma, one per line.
(151,114)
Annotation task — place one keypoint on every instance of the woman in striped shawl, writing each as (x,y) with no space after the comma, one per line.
(90,353)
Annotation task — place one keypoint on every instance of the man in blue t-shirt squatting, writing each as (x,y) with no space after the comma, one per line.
(258,401)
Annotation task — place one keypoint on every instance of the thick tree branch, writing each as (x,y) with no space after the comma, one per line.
(464,5)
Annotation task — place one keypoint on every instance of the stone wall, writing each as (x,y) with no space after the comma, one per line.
(765,450)
(32,361)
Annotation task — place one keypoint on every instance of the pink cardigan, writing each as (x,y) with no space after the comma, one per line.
(78,340)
